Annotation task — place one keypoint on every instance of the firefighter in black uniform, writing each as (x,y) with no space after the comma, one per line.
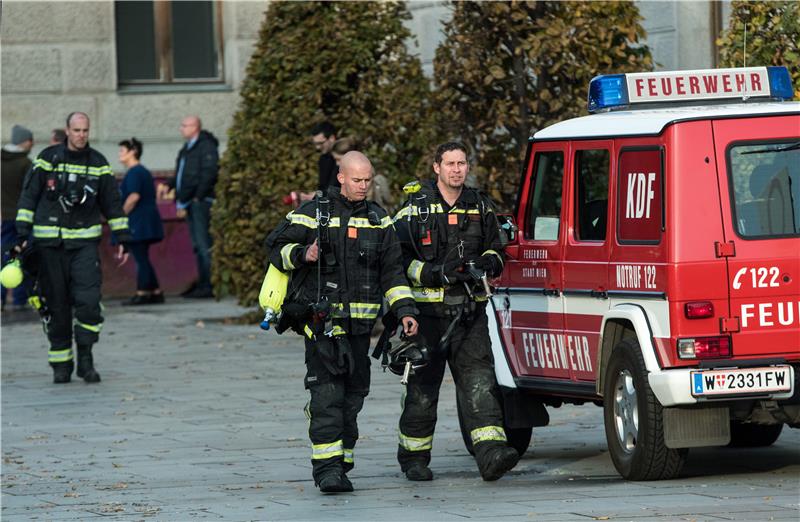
(450,236)
(345,258)
(63,197)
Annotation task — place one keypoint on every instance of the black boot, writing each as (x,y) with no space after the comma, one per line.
(62,372)
(418,472)
(497,461)
(334,481)
(86,365)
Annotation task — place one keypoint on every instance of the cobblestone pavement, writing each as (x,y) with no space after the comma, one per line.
(200,420)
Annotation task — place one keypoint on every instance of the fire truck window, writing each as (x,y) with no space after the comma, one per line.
(544,205)
(640,197)
(591,194)
(765,179)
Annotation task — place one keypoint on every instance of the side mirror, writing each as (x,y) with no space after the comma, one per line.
(509,227)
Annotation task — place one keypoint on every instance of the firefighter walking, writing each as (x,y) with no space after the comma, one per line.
(450,238)
(63,198)
(345,258)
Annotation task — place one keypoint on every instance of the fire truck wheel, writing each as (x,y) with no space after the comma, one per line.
(753,435)
(518,438)
(633,419)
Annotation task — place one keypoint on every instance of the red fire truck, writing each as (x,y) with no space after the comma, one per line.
(654,267)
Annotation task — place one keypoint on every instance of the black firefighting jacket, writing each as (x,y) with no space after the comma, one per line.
(360,260)
(433,234)
(65,195)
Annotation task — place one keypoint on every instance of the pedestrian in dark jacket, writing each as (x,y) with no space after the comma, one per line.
(69,190)
(144,221)
(323,136)
(14,167)
(195,176)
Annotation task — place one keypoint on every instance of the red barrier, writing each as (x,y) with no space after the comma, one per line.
(172,258)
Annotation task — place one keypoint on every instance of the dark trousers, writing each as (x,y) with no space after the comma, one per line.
(198,215)
(472,365)
(9,238)
(334,406)
(70,284)
(145,273)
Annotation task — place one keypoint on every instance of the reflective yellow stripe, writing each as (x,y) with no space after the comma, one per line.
(415,443)
(286,256)
(327,451)
(25,215)
(364,310)
(494,253)
(118,223)
(428,295)
(81,233)
(337,330)
(398,292)
(348,455)
(300,219)
(359,222)
(48,232)
(57,356)
(309,332)
(91,327)
(487,433)
(472,211)
(74,168)
(39,163)
(414,272)
(45,232)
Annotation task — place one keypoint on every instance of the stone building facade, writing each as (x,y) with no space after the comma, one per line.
(59,57)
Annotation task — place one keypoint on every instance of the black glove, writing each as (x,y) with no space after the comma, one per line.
(346,362)
(451,272)
(328,354)
(489,263)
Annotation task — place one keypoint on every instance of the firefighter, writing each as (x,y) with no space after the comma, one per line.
(345,258)
(450,237)
(63,198)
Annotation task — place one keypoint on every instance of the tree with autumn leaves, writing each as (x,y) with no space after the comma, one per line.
(508,69)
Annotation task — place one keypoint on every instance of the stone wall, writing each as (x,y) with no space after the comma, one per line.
(59,57)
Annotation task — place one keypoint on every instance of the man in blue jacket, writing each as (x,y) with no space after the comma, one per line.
(195,176)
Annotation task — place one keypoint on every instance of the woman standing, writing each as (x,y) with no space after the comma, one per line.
(144,221)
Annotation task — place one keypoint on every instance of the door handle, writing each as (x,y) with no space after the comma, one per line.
(551,291)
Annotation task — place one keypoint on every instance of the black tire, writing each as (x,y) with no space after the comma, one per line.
(633,419)
(518,438)
(745,435)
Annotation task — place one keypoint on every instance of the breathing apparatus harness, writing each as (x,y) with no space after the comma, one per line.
(70,189)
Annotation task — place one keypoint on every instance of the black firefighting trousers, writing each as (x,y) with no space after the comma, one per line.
(334,406)
(70,284)
(472,366)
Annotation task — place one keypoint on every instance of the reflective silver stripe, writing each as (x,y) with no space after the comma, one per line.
(81,233)
(414,272)
(25,215)
(427,295)
(45,232)
(398,292)
(359,222)
(415,443)
(364,310)
(327,451)
(348,455)
(487,433)
(73,168)
(286,256)
(42,164)
(118,223)
(300,219)
(57,356)
(91,327)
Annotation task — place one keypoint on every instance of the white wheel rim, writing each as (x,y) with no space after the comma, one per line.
(626,411)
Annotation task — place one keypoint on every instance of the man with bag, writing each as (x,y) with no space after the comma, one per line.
(345,258)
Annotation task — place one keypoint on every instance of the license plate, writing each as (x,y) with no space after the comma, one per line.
(741,381)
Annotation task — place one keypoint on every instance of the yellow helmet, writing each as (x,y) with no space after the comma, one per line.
(11,274)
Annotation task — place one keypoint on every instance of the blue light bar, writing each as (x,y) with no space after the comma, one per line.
(780,83)
(607,91)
